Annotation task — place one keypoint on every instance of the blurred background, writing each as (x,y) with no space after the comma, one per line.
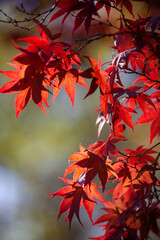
(34,149)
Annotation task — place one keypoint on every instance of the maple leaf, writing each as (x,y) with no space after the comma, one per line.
(107,6)
(152,115)
(98,76)
(75,195)
(105,148)
(67,78)
(93,163)
(62,73)
(29,81)
(127,4)
(86,9)
(140,100)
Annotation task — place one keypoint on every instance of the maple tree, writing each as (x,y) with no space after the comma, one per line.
(47,65)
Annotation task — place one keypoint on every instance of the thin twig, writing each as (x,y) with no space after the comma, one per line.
(17,23)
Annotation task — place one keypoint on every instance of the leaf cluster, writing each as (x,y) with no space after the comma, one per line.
(47,65)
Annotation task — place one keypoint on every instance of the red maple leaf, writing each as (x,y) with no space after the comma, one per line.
(105,148)
(67,77)
(75,195)
(98,77)
(86,9)
(127,4)
(29,81)
(152,115)
(93,161)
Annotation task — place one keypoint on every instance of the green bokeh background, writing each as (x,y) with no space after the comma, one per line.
(34,149)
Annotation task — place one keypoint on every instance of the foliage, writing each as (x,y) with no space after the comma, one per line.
(47,65)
